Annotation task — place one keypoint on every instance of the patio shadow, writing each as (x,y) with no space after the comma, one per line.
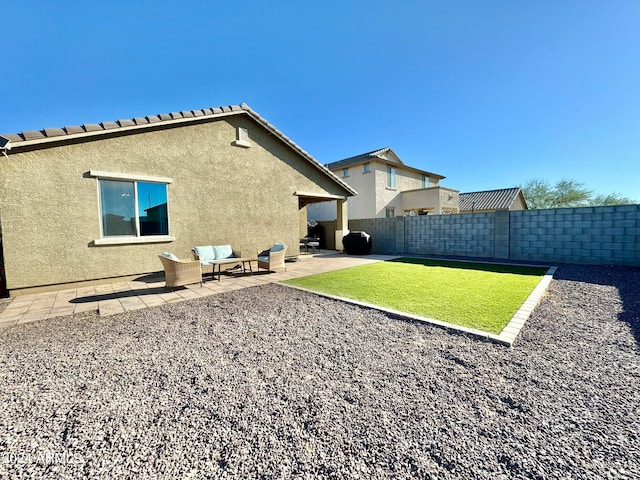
(121,294)
(474,265)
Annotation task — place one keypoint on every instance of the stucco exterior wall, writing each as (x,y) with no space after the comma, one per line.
(385,197)
(421,198)
(364,184)
(221,194)
(449,199)
(360,206)
(434,198)
(374,197)
(406,180)
(517,204)
(322,211)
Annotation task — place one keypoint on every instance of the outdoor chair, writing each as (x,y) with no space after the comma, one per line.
(180,272)
(273,258)
(307,243)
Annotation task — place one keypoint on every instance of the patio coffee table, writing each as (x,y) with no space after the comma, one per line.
(230,261)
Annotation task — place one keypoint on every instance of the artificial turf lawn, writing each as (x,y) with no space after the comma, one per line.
(475,295)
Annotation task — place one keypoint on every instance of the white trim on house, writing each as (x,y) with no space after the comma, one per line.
(320,195)
(128,240)
(129,176)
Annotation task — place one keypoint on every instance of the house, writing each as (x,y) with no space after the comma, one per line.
(492,200)
(387,188)
(98,202)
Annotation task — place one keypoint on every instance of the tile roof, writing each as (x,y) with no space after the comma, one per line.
(489,199)
(363,157)
(48,133)
(391,158)
(53,135)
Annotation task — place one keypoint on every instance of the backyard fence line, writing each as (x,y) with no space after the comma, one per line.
(588,235)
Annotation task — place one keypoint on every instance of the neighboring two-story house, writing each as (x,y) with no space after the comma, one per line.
(387,188)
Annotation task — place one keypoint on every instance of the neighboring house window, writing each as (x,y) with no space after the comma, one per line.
(391,177)
(425,181)
(365,168)
(132,210)
(345,172)
(390,212)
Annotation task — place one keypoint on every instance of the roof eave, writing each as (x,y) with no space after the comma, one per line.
(97,133)
(242,109)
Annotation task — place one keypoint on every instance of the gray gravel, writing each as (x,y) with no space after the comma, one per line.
(271,382)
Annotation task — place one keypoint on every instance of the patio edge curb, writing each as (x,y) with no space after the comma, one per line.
(512,329)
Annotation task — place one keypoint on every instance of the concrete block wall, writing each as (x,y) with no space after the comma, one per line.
(450,235)
(595,235)
(467,234)
(382,231)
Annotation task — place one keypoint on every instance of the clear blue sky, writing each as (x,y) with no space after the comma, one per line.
(488,93)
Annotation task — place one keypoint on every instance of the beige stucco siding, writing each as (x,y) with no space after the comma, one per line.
(220,194)
(517,204)
(434,199)
(392,197)
(374,197)
(361,205)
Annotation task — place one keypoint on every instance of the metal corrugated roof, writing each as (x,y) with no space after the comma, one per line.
(488,199)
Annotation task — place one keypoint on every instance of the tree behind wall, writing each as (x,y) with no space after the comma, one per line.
(566,193)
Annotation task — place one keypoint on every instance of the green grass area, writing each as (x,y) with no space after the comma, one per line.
(475,295)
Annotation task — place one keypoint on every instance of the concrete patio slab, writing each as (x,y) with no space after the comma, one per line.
(118,297)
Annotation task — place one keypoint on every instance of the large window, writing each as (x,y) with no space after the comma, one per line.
(132,209)
(391,177)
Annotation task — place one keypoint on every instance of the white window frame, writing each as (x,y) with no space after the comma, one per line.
(366,168)
(392,180)
(129,239)
(345,172)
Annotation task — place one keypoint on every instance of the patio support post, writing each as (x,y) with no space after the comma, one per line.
(342,222)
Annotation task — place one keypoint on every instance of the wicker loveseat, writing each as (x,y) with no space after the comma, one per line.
(220,255)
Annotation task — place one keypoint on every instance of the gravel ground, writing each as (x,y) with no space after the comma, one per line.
(271,382)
